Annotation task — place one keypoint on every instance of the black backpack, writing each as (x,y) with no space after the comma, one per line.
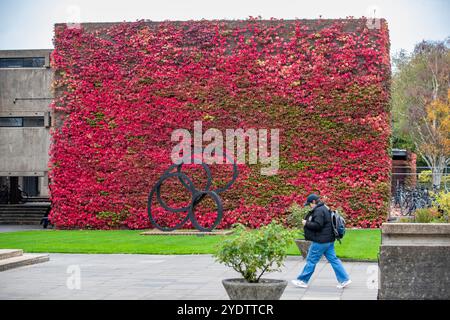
(338,225)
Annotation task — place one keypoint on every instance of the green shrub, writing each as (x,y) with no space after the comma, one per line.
(254,252)
(443,203)
(426,215)
(295,215)
(426,177)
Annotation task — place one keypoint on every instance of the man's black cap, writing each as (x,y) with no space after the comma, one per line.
(311,198)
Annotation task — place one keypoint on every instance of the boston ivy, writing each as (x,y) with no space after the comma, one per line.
(123,88)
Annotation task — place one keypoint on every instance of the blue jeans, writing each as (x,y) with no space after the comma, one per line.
(316,250)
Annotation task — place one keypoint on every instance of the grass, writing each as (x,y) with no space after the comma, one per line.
(357,244)
(360,244)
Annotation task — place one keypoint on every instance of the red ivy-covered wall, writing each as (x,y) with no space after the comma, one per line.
(123,88)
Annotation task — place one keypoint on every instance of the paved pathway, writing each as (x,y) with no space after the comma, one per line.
(134,276)
(19,227)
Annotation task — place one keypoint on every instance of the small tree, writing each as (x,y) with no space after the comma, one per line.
(254,252)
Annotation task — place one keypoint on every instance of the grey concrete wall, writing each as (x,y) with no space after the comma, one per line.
(25,83)
(25,92)
(414,261)
(414,272)
(24,151)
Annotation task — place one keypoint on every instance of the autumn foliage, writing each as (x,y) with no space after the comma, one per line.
(123,88)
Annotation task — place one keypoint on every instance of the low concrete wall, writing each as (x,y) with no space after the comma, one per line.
(414,261)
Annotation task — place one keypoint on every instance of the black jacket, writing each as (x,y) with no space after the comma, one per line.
(318,226)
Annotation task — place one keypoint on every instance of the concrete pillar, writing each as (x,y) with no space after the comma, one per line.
(43,184)
(414,261)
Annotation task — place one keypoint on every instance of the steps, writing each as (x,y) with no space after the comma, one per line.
(23,213)
(14,258)
(37,199)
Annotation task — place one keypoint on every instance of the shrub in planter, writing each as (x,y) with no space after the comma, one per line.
(252,253)
(295,215)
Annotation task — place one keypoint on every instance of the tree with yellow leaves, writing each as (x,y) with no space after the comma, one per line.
(433,140)
(421,110)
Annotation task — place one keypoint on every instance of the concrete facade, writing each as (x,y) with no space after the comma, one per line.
(25,91)
(414,261)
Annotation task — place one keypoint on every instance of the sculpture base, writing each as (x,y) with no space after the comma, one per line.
(186,232)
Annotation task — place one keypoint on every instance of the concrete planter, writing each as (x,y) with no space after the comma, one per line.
(303,246)
(414,261)
(265,289)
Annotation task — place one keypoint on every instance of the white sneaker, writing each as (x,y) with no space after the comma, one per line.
(344,284)
(299,283)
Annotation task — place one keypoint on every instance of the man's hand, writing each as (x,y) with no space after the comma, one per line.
(303,222)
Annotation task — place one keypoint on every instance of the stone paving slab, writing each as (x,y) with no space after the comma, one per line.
(19,227)
(137,276)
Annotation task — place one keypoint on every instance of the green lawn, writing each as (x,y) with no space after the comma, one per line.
(357,244)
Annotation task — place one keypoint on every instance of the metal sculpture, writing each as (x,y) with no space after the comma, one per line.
(196,196)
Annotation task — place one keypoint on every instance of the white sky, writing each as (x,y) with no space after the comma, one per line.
(28,24)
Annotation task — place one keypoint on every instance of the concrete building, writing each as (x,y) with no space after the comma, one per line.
(25,120)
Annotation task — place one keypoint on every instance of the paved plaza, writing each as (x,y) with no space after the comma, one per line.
(15,227)
(135,276)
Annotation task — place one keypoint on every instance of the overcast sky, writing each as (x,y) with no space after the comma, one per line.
(28,24)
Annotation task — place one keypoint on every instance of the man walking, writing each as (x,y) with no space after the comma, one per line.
(319,230)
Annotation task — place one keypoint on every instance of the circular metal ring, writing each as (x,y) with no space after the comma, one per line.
(189,185)
(208,175)
(150,199)
(218,202)
(196,196)
(234,177)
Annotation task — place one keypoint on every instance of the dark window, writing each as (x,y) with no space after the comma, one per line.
(21,121)
(11,122)
(35,62)
(33,121)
